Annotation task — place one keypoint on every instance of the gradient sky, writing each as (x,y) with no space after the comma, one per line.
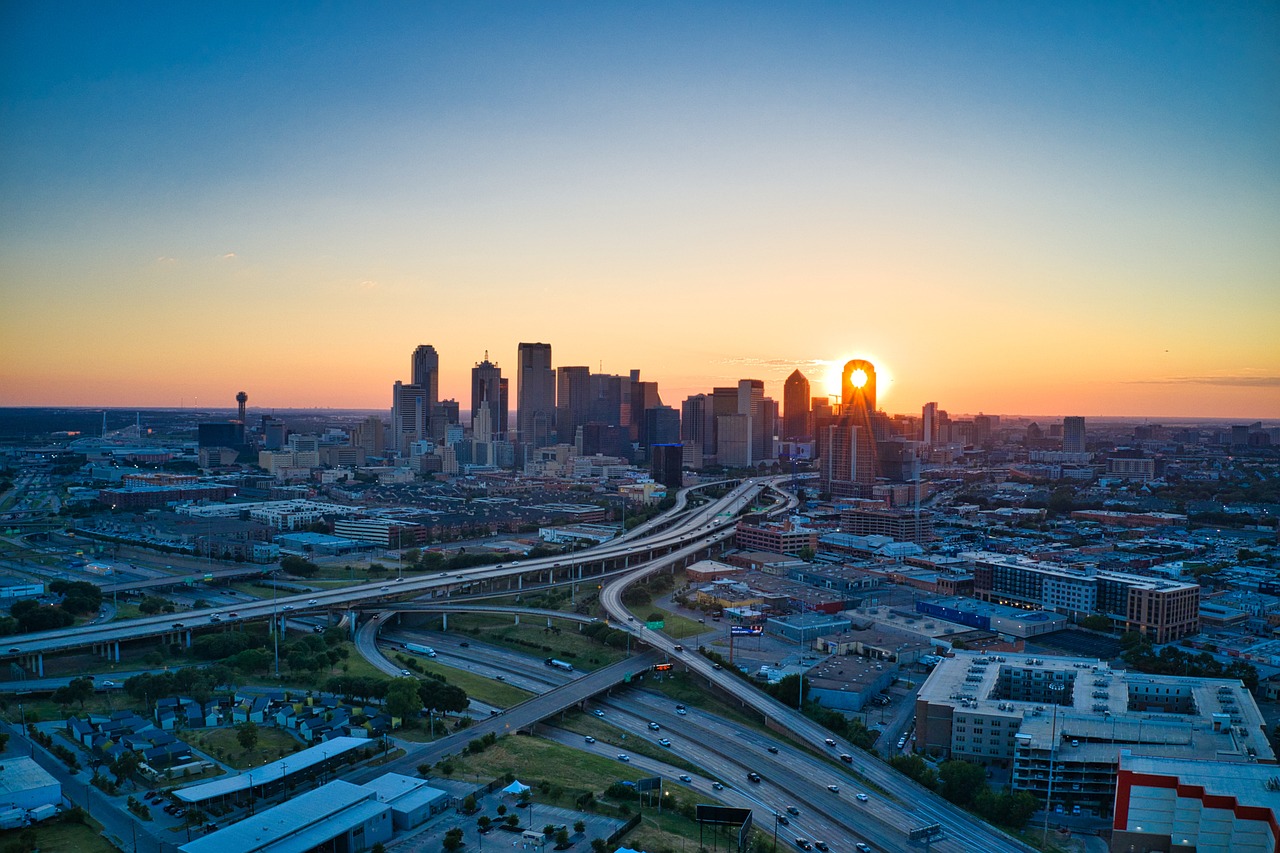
(1008,207)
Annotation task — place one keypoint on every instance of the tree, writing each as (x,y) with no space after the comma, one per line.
(453,839)
(124,766)
(580,826)
(247,735)
(562,838)
(962,781)
(299,566)
(598,845)
(807,554)
(484,823)
(403,700)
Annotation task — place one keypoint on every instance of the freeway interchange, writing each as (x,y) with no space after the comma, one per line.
(797,775)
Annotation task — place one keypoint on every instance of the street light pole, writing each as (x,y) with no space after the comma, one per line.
(1055,691)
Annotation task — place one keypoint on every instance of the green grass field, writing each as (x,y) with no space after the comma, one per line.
(61,837)
(531,637)
(223,745)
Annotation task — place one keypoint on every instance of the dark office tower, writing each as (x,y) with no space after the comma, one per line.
(241,400)
(488,388)
(695,423)
(1073,440)
(644,396)
(667,461)
(661,426)
(608,395)
(573,401)
(425,371)
(753,403)
(981,430)
(535,395)
(410,415)
(795,407)
(929,424)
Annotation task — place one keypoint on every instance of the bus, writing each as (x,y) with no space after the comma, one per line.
(559,664)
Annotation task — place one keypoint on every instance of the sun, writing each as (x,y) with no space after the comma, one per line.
(858,378)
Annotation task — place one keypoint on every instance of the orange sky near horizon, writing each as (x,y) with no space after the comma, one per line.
(288,201)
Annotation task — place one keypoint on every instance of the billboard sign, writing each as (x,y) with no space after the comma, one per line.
(746,630)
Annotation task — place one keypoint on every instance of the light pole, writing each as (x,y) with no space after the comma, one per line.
(1055,693)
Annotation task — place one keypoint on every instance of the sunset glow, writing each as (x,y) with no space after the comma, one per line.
(195,204)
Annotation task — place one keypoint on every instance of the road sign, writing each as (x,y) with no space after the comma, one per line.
(655,626)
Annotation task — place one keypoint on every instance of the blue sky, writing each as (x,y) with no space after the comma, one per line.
(964,191)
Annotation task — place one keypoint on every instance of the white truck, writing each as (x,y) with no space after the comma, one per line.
(419,649)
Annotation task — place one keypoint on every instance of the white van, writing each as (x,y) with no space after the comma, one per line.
(535,837)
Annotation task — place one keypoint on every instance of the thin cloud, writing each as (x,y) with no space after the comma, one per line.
(165,259)
(229,256)
(1243,380)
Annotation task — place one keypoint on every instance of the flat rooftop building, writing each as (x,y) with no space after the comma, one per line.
(1069,718)
(338,817)
(1176,805)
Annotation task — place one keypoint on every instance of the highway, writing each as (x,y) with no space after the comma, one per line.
(700,527)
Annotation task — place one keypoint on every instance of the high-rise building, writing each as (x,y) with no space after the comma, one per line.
(424,371)
(929,424)
(661,425)
(413,404)
(410,415)
(573,401)
(489,389)
(1073,436)
(370,434)
(752,403)
(733,440)
(535,395)
(849,461)
(697,424)
(795,405)
(667,460)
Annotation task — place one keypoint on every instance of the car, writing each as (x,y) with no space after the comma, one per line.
(598,712)
(862,848)
(861,797)
(782,819)
(233,615)
(13,650)
(902,742)
(717,786)
(108,684)
(590,739)
(664,742)
(772,749)
(803,843)
(622,756)
(398,580)
(179,625)
(499,678)
(821,845)
(287,607)
(443,575)
(679,647)
(753,776)
(793,811)
(464,645)
(384,589)
(312,601)
(653,727)
(155,801)
(405,672)
(1075,742)
(684,777)
(835,789)
(215,618)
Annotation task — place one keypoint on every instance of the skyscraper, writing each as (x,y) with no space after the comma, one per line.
(929,424)
(795,404)
(697,423)
(535,395)
(573,401)
(424,371)
(847,441)
(1073,435)
(489,389)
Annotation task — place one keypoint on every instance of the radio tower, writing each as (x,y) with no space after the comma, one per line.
(242,398)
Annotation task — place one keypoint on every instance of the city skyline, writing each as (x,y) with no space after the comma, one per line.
(1005,210)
